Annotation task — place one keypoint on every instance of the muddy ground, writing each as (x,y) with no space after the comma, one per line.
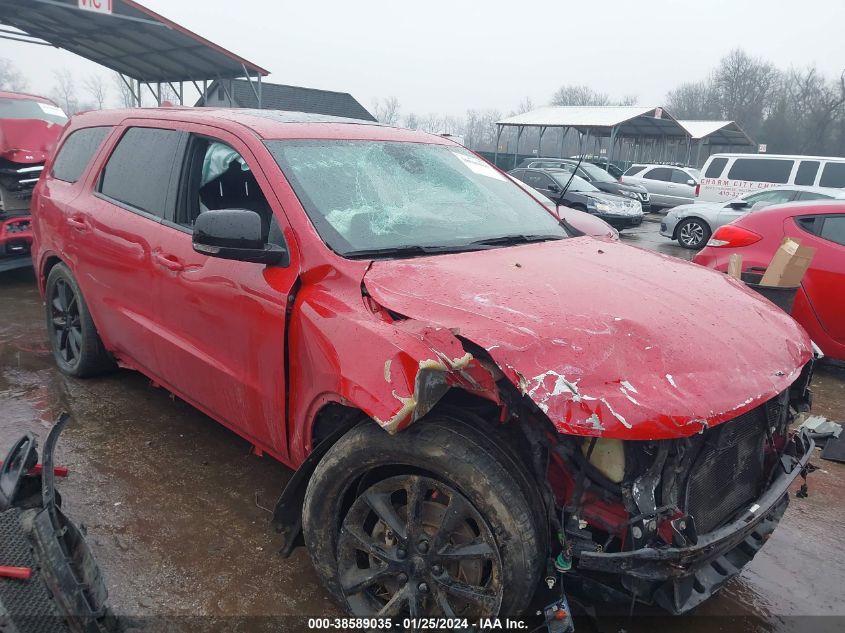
(176,506)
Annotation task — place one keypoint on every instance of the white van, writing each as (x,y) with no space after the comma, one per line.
(728,176)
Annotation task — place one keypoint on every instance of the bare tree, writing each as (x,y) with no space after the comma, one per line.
(745,87)
(64,91)
(412,121)
(579,96)
(96,88)
(693,100)
(125,97)
(11,78)
(386,111)
(526,105)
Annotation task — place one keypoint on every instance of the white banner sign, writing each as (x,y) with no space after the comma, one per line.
(100,6)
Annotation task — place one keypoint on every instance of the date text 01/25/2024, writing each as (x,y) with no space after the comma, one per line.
(417,624)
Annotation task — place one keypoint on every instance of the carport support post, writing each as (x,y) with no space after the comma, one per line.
(496,151)
(613,132)
(698,153)
(563,132)
(540,142)
(519,132)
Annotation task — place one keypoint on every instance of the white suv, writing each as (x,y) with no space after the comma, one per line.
(667,185)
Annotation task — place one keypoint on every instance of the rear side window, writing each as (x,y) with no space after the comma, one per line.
(833,229)
(806,174)
(714,169)
(833,175)
(661,173)
(76,153)
(761,170)
(139,170)
(812,195)
(632,171)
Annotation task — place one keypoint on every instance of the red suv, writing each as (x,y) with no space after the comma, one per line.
(470,395)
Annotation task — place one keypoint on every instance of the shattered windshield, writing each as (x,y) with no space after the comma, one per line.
(26,109)
(366,196)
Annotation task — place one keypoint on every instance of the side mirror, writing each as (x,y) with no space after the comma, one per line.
(554,187)
(691,182)
(738,204)
(236,234)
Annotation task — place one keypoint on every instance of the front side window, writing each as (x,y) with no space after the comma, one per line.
(774,197)
(383,196)
(761,170)
(595,174)
(812,195)
(714,169)
(76,152)
(139,171)
(218,177)
(31,109)
(633,171)
(833,175)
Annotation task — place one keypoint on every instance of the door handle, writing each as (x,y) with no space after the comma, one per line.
(78,222)
(171,262)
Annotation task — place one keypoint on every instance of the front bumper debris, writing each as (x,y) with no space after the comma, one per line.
(64,590)
(680,578)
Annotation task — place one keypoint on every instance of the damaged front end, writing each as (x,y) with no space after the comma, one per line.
(669,522)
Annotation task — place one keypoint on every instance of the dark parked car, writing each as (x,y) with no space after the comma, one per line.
(619,212)
(594,175)
(466,391)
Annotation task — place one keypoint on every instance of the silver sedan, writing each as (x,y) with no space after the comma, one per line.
(693,224)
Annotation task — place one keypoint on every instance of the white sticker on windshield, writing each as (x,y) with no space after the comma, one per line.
(479,166)
(49,108)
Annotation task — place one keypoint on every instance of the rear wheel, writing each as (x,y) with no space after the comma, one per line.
(693,233)
(428,522)
(74,341)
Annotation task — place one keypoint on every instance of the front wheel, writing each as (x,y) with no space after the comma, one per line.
(693,233)
(427,522)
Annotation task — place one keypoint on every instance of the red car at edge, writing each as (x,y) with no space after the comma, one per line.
(820,302)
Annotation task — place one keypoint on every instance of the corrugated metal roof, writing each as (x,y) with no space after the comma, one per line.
(717,132)
(294,99)
(133,41)
(629,120)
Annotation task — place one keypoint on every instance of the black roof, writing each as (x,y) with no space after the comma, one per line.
(293,98)
(132,40)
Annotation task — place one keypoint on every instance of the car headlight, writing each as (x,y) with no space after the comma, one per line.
(602,206)
(629,194)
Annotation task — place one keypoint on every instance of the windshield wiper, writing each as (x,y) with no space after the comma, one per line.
(505,240)
(407,250)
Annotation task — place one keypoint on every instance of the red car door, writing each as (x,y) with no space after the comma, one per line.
(223,321)
(113,225)
(824,282)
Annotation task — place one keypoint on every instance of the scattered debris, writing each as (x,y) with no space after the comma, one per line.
(821,429)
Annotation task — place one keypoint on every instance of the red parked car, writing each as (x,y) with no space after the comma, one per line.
(470,395)
(29,128)
(820,302)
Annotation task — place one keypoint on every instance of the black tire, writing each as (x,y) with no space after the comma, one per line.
(74,341)
(456,467)
(693,233)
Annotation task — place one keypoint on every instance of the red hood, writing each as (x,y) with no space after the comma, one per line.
(605,338)
(28,141)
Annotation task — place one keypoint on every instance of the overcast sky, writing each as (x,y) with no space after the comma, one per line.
(447,56)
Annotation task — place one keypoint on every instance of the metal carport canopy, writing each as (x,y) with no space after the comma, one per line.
(131,40)
(601,120)
(717,132)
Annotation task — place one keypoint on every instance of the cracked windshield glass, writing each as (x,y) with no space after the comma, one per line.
(368,198)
